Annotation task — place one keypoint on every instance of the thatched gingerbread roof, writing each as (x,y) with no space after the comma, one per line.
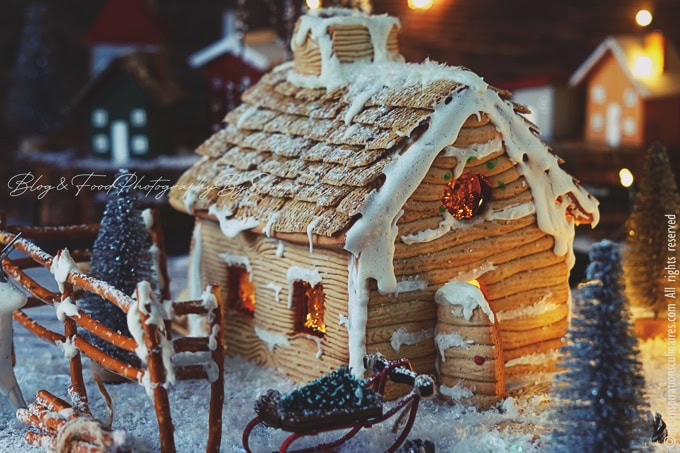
(312,154)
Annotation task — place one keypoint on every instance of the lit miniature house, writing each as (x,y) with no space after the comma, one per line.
(122,27)
(231,65)
(355,203)
(633,91)
(128,108)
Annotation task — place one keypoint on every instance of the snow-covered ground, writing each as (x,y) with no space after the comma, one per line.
(516,426)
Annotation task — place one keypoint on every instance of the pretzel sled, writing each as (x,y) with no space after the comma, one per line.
(352,420)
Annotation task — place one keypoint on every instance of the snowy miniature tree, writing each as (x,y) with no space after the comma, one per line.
(647,254)
(121,257)
(599,395)
(38,98)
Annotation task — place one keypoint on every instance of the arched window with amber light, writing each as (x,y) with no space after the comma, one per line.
(309,302)
(466,196)
(240,290)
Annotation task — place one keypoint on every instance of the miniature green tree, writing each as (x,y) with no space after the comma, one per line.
(646,255)
(599,396)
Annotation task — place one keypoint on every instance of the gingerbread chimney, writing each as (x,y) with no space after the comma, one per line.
(329,37)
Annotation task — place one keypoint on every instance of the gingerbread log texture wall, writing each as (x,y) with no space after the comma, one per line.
(268,335)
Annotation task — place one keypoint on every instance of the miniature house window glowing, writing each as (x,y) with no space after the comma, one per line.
(309,308)
(241,291)
(100,143)
(140,144)
(466,196)
(100,117)
(138,117)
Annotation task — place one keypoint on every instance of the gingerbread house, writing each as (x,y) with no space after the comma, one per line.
(633,91)
(355,203)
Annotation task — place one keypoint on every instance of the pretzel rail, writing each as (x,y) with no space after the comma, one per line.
(72,284)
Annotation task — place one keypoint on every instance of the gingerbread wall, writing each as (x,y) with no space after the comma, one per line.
(294,354)
(526,286)
(609,86)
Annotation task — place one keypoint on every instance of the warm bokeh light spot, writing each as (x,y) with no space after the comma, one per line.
(420,4)
(626,177)
(309,306)
(643,17)
(313,4)
(241,295)
(643,67)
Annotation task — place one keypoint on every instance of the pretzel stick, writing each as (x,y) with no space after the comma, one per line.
(51,402)
(42,332)
(191,344)
(56,232)
(190,307)
(217,387)
(103,332)
(108,362)
(156,372)
(75,364)
(190,372)
(29,284)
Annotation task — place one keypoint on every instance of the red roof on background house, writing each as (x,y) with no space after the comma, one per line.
(126,22)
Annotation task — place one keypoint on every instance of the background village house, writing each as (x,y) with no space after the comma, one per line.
(397,215)
(233,63)
(633,91)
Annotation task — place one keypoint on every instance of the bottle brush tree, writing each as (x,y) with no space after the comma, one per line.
(649,264)
(121,256)
(600,404)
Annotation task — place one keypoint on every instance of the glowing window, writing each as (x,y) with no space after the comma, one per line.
(596,122)
(241,291)
(599,94)
(466,196)
(100,143)
(140,144)
(309,308)
(138,117)
(100,118)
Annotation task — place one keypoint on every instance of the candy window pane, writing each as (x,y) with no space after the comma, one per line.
(241,291)
(309,308)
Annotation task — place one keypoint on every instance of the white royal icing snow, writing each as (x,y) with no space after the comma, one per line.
(67,347)
(544,305)
(448,223)
(277,291)
(410,284)
(270,223)
(295,274)
(271,339)
(66,308)
(280,249)
(475,273)
(476,150)
(237,260)
(310,232)
(457,392)
(539,358)
(10,298)
(62,266)
(516,211)
(232,227)
(466,295)
(444,341)
(195,280)
(401,337)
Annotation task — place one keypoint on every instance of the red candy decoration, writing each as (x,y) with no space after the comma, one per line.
(465,196)
(479,360)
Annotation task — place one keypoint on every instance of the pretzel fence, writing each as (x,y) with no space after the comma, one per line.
(154,319)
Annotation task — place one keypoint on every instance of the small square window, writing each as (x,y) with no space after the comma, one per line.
(100,143)
(140,144)
(309,302)
(100,118)
(240,290)
(138,117)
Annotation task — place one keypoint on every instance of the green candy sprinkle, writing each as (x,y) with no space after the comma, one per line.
(490,165)
(470,159)
(501,185)
(447,176)
(442,208)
